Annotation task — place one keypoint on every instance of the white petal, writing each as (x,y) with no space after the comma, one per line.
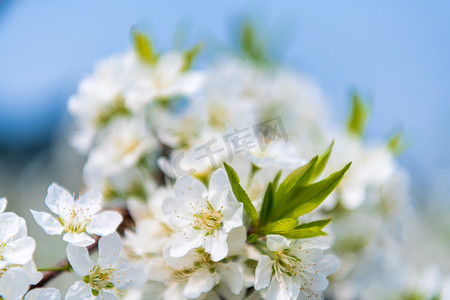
(188,190)
(104,223)
(236,240)
(128,276)
(22,232)
(33,275)
(218,184)
(200,282)
(178,215)
(58,199)
(78,258)
(3,203)
(216,245)
(329,264)
(49,224)
(185,241)
(43,294)
(109,248)
(78,239)
(231,276)
(78,291)
(106,295)
(232,215)
(277,290)
(9,226)
(91,201)
(277,243)
(138,209)
(19,251)
(263,273)
(13,284)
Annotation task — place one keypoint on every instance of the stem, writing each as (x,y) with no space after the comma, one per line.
(60,269)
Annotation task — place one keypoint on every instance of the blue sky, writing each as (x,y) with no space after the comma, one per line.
(395,52)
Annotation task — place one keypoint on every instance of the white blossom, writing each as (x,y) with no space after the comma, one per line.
(297,269)
(204,217)
(76,218)
(161,81)
(106,279)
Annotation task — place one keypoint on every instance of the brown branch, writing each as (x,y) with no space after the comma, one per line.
(64,264)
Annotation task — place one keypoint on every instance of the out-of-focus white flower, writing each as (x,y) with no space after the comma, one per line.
(297,269)
(152,230)
(161,81)
(193,275)
(109,277)
(43,294)
(99,98)
(277,153)
(205,218)
(76,218)
(372,167)
(120,148)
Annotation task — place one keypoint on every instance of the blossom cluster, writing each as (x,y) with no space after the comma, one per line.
(229,176)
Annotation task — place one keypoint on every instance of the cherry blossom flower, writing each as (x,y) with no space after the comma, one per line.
(204,217)
(107,278)
(297,269)
(76,218)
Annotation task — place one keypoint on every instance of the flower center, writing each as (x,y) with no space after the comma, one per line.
(209,219)
(74,221)
(99,279)
(289,265)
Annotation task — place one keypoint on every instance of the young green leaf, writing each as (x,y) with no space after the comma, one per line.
(267,204)
(251,45)
(252,238)
(396,144)
(322,162)
(305,198)
(240,193)
(144,48)
(190,55)
(301,176)
(279,226)
(303,233)
(359,116)
(276,180)
(319,224)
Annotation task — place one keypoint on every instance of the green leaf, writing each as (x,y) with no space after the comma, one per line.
(396,144)
(322,162)
(305,198)
(240,193)
(267,204)
(319,224)
(303,233)
(279,226)
(252,238)
(190,55)
(301,176)
(357,121)
(250,44)
(276,180)
(144,48)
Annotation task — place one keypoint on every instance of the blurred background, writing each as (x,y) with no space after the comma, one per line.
(396,54)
